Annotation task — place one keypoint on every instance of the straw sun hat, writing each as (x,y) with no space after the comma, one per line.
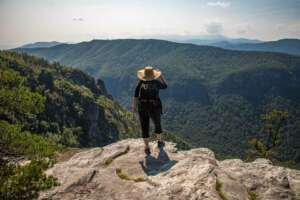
(148,73)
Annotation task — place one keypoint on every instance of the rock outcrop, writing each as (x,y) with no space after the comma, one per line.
(122,171)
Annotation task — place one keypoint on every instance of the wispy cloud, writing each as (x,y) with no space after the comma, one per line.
(214,28)
(241,32)
(221,4)
(242,29)
(80,19)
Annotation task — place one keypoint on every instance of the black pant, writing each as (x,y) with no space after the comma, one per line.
(146,112)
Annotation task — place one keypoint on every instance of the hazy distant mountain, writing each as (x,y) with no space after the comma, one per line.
(215,96)
(290,46)
(210,40)
(41,44)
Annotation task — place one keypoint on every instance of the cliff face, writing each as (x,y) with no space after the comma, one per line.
(78,111)
(121,171)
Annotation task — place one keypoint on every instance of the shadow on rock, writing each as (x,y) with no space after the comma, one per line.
(153,166)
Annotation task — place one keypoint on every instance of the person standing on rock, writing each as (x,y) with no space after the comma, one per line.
(147,103)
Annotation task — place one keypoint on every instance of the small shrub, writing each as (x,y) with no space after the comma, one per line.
(69,137)
(108,161)
(121,175)
(24,142)
(24,182)
(253,196)
(124,176)
(218,188)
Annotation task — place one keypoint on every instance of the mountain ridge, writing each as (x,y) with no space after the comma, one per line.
(41,44)
(211,41)
(284,45)
(289,46)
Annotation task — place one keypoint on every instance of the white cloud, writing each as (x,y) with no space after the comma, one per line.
(241,32)
(221,4)
(214,28)
(78,19)
(242,29)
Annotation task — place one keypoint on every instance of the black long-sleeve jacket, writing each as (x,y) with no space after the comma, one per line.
(160,85)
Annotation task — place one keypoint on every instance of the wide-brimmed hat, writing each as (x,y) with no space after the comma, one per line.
(148,73)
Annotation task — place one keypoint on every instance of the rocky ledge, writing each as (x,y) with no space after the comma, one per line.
(122,171)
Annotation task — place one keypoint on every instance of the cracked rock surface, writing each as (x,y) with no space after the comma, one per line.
(168,174)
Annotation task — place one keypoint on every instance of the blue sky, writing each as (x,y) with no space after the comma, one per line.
(24,21)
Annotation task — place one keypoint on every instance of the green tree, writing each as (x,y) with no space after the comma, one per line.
(25,182)
(273,123)
(70,136)
(17,101)
(24,143)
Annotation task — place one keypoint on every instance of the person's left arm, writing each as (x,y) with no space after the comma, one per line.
(134,98)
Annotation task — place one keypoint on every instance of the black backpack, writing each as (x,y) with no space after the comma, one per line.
(148,91)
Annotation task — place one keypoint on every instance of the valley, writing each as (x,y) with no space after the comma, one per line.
(215,96)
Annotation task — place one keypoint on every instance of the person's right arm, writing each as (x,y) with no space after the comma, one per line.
(162,82)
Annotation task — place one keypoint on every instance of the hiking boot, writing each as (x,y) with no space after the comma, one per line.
(147,151)
(160,144)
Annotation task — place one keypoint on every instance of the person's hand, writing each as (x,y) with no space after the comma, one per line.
(133,104)
(162,77)
(133,109)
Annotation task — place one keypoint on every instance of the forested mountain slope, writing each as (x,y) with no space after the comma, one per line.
(77,109)
(215,96)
